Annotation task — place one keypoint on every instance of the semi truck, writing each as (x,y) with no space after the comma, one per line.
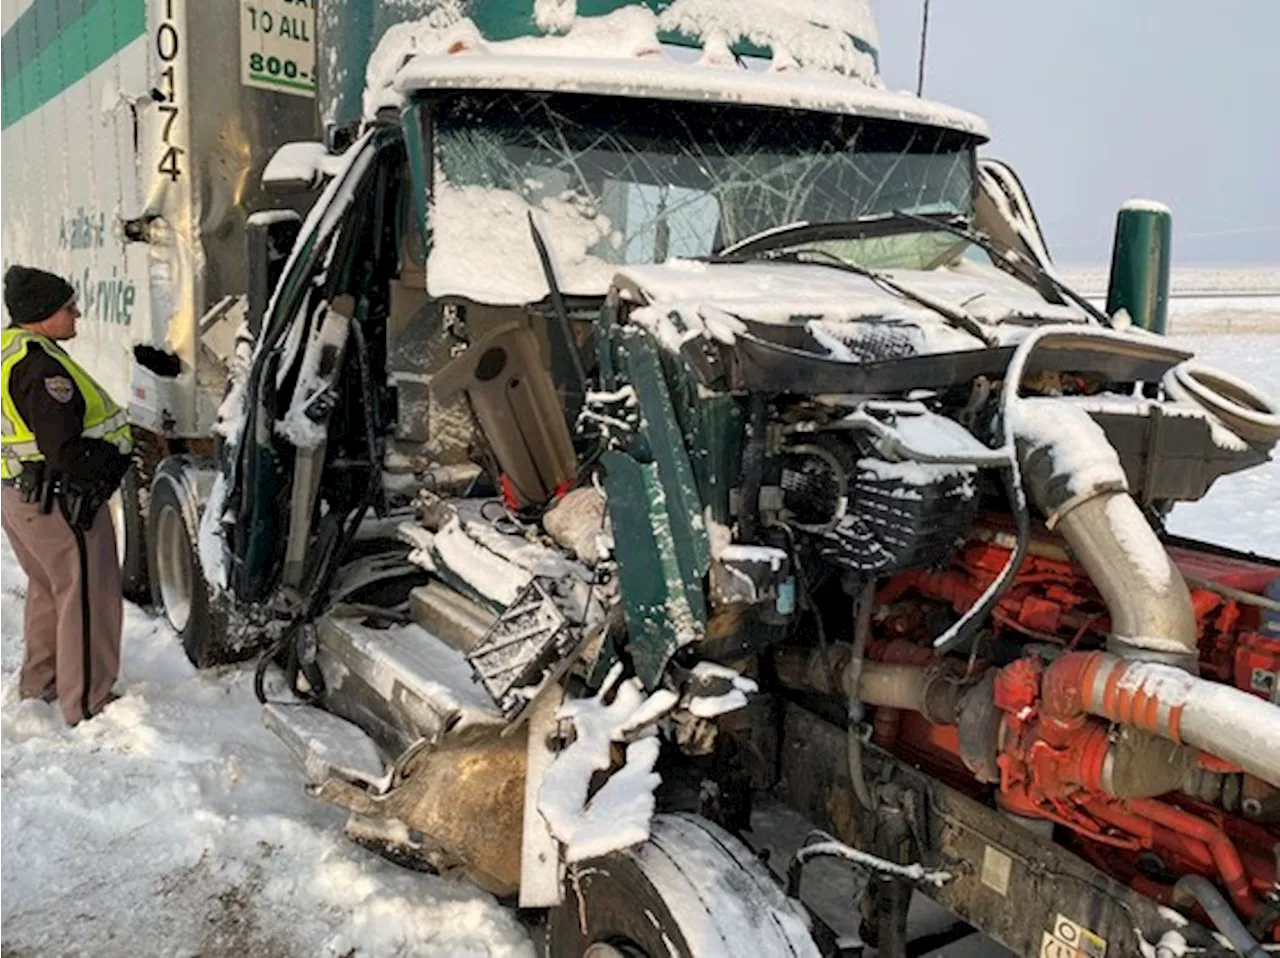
(135,134)
(665,481)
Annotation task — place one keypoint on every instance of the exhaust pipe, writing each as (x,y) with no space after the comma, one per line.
(1136,765)
(915,688)
(1221,720)
(1075,478)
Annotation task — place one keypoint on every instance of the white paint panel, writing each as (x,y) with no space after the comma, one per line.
(70,164)
(10,10)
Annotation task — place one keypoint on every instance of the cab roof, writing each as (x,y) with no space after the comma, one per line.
(665,79)
(620,55)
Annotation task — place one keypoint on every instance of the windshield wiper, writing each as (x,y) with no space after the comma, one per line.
(794,234)
(1013,262)
(955,315)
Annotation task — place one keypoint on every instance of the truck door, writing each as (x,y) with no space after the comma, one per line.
(338,263)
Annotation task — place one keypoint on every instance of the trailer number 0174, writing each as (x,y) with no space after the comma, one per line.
(168,46)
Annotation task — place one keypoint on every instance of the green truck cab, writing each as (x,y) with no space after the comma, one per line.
(615,410)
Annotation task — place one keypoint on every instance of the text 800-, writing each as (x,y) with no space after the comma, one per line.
(274,66)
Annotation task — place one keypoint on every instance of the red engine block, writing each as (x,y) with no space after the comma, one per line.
(1051,759)
(1052,600)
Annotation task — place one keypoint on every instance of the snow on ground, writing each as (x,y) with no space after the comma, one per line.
(1241,511)
(174,824)
(1232,281)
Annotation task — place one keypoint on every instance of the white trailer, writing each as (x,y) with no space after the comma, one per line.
(134,137)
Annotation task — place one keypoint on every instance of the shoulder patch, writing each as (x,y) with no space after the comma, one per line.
(61,388)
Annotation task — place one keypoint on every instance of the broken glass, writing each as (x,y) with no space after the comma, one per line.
(660,179)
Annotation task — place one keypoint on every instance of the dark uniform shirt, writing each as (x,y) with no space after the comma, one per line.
(50,403)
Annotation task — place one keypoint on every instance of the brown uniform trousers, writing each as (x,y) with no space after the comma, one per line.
(58,662)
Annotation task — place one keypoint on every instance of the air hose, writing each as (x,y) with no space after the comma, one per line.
(753,457)
(853,677)
(964,627)
(1202,891)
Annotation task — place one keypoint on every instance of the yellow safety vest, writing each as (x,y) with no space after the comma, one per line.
(103,419)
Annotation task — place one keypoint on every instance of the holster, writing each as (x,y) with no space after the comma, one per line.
(81,501)
(39,484)
(82,498)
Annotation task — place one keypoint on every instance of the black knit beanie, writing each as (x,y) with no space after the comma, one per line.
(32,294)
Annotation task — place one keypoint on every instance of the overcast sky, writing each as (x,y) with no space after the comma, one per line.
(1097,101)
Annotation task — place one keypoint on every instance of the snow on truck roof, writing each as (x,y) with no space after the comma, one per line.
(620,55)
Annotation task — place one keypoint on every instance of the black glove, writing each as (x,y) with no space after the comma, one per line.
(79,505)
(95,471)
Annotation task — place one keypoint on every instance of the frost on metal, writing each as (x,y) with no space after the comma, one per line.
(822,59)
(1155,680)
(810,34)
(716,690)
(303,162)
(231,409)
(484,570)
(317,229)
(1078,445)
(209,537)
(432,33)
(555,16)
(305,423)
(1145,206)
(618,815)
(849,318)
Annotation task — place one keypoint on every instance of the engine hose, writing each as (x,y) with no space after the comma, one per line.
(1250,414)
(370,428)
(853,674)
(260,671)
(753,467)
(311,610)
(964,627)
(1205,893)
(967,624)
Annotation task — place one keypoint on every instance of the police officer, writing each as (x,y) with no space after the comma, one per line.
(65,449)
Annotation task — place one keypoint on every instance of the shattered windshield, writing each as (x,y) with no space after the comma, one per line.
(626,181)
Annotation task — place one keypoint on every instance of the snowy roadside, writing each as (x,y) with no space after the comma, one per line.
(174,824)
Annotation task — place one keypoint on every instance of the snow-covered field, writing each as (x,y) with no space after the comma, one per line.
(174,825)
(1241,511)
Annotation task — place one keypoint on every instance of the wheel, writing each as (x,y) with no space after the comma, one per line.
(128,515)
(178,584)
(691,891)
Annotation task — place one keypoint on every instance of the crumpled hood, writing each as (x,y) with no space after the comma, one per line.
(836,307)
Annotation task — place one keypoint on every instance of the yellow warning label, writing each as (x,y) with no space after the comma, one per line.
(1069,939)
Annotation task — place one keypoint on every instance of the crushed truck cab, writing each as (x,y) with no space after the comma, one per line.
(646,449)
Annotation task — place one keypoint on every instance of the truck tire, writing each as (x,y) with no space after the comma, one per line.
(128,515)
(690,891)
(178,585)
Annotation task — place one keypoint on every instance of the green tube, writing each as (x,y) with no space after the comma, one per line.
(1140,264)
